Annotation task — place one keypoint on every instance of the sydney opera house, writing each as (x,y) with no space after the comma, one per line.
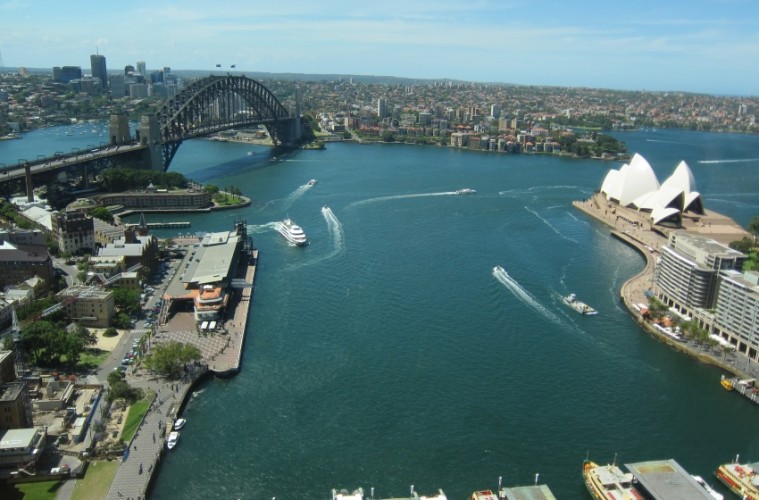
(635,186)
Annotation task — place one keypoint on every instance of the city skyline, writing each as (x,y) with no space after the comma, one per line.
(703,46)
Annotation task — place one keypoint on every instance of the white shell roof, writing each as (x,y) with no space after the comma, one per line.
(635,185)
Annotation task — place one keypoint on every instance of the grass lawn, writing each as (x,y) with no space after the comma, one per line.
(45,490)
(136,412)
(92,358)
(96,482)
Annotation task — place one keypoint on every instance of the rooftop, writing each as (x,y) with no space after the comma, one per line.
(667,480)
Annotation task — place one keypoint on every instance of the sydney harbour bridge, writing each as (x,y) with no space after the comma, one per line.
(205,107)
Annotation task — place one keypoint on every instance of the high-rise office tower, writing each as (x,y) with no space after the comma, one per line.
(141,68)
(97,63)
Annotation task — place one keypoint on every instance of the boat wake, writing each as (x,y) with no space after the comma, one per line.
(503,277)
(335,228)
(550,225)
(400,197)
(293,197)
(711,162)
(262,228)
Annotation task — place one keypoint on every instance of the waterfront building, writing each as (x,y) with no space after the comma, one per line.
(688,269)
(97,64)
(635,185)
(88,305)
(737,312)
(159,199)
(74,231)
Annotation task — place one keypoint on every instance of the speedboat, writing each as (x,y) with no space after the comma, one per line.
(580,307)
(712,492)
(465,191)
(171,442)
(498,269)
(179,423)
(312,182)
(292,232)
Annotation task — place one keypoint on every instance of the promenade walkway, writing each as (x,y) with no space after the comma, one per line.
(634,228)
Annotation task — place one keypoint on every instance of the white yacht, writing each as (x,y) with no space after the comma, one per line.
(179,423)
(171,441)
(580,307)
(292,232)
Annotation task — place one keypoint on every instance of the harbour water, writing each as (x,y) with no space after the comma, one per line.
(388,353)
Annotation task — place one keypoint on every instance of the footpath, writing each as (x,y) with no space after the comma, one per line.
(634,229)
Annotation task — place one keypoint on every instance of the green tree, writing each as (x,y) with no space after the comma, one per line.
(170,359)
(753,227)
(118,388)
(127,300)
(102,213)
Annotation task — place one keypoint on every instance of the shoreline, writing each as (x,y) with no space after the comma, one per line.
(633,291)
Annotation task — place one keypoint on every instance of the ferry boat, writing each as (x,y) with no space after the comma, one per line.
(465,191)
(742,479)
(580,307)
(292,232)
(608,482)
(171,442)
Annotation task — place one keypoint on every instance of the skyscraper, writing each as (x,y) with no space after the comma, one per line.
(141,68)
(97,63)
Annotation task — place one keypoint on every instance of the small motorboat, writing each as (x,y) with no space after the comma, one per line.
(312,182)
(172,440)
(465,191)
(179,423)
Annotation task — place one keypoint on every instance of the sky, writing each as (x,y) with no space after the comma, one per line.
(703,46)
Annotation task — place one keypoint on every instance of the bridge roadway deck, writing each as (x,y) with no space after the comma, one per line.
(40,165)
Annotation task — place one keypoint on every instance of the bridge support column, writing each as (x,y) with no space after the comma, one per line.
(150,136)
(29,184)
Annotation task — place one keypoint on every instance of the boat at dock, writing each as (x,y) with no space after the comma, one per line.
(745,387)
(712,492)
(579,306)
(608,482)
(465,191)
(172,440)
(178,424)
(742,479)
(292,232)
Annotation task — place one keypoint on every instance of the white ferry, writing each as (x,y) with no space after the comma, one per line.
(580,307)
(292,232)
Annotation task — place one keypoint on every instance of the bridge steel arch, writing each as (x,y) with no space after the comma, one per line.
(218,103)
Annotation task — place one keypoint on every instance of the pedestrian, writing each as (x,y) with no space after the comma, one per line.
(154,437)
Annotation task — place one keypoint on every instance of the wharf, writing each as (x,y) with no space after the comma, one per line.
(744,387)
